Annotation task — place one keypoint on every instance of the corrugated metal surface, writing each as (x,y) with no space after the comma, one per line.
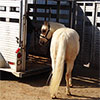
(9,29)
(8,44)
(96,45)
(88,26)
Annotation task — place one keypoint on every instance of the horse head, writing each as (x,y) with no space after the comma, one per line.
(47,30)
(46,33)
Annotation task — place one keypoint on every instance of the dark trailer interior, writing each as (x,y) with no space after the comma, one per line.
(40,11)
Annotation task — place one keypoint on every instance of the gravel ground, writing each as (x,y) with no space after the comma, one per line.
(85,86)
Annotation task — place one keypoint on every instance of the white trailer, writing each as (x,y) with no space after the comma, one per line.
(13,33)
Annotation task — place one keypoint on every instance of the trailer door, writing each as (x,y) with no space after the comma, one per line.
(11,28)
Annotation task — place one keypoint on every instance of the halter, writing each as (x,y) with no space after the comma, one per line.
(46,33)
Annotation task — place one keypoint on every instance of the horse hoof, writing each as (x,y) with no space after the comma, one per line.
(71,85)
(68,94)
(54,97)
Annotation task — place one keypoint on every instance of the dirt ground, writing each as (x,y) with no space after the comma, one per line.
(85,86)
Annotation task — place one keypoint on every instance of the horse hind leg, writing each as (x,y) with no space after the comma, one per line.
(68,77)
(70,80)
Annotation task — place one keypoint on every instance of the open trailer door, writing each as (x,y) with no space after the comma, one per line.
(12,40)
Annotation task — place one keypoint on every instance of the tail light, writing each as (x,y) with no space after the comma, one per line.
(19,55)
(17,50)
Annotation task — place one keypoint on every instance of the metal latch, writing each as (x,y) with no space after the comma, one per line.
(17,39)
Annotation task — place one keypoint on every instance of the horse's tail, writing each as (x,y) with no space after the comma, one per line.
(59,68)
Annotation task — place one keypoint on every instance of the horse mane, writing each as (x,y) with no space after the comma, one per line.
(56,23)
(53,23)
(46,22)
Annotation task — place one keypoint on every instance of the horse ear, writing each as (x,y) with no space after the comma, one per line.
(45,23)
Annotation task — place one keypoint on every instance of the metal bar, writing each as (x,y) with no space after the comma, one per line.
(76,15)
(72,15)
(83,31)
(35,10)
(20,21)
(45,8)
(58,11)
(24,22)
(93,35)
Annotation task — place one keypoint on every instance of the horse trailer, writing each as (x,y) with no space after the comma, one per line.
(13,33)
(83,16)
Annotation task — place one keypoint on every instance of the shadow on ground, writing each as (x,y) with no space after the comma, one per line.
(82,77)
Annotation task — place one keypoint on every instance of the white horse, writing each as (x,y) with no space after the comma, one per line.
(64,47)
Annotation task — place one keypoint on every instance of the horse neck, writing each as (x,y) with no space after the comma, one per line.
(55,26)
